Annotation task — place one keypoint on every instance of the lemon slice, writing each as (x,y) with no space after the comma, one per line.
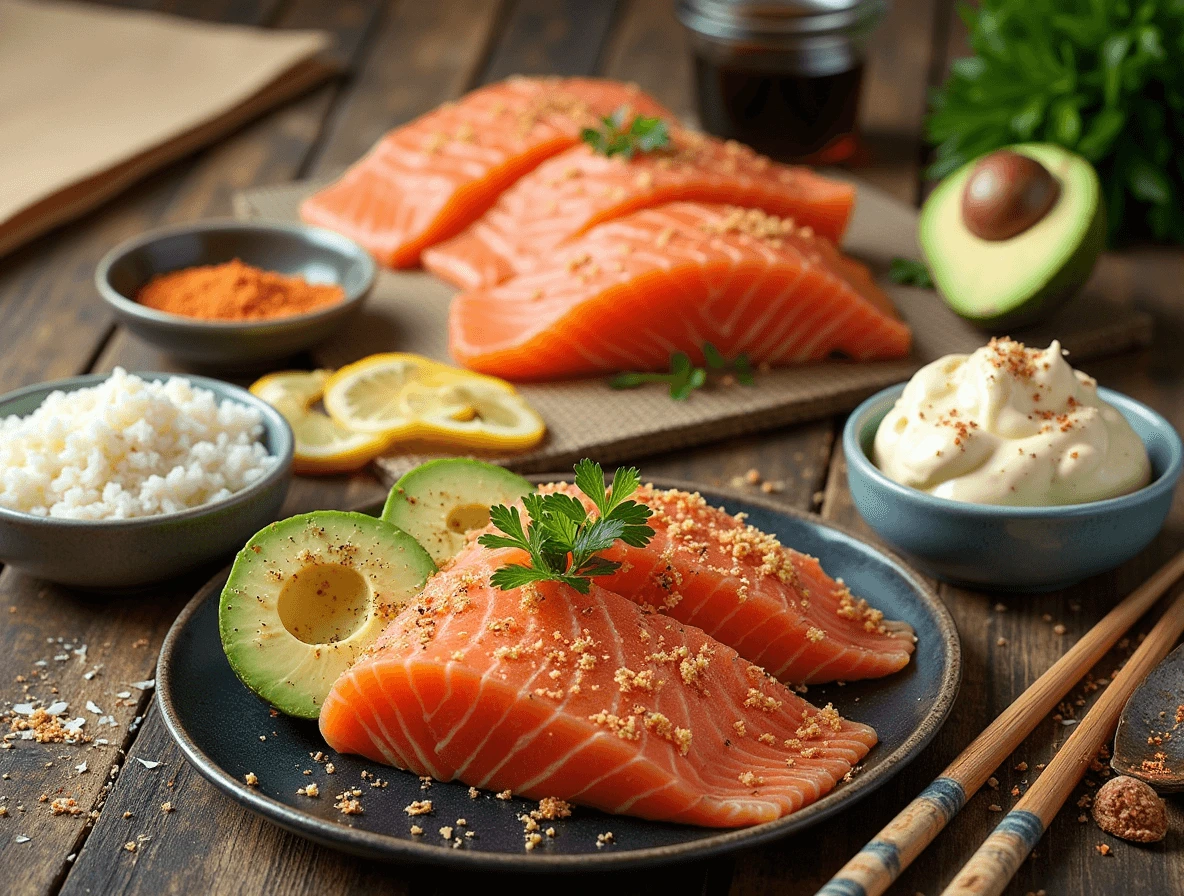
(472,412)
(322,446)
(364,396)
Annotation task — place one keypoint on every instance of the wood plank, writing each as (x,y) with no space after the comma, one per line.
(895,86)
(424,54)
(650,48)
(551,37)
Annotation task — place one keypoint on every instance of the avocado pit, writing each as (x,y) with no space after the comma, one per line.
(1007,193)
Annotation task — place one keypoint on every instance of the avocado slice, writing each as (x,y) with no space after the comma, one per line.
(307,595)
(1017,281)
(441,500)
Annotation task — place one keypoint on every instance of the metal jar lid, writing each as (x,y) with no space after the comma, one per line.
(814,37)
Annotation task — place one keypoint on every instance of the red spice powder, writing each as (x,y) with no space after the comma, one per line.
(235,291)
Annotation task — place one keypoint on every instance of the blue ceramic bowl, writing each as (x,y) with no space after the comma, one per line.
(1013,548)
(106,555)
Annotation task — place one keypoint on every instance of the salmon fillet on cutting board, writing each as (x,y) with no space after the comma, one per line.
(429,179)
(580,188)
(628,293)
(773,605)
(549,693)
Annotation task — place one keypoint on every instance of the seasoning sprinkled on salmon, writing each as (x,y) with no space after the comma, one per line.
(501,718)
(429,179)
(775,606)
(579,189)
(613,299)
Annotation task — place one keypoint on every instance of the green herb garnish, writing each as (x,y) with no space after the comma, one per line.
(1103,79)
(684,377)
(907,272)
(613,137)
(738,366)
(562,539)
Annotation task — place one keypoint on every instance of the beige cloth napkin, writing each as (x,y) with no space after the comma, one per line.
(93,98)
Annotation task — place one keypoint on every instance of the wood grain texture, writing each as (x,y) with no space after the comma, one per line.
(922,820)
(996,860)
(415,54)
(648,46)
(551,37)
(892,107)
(423,54)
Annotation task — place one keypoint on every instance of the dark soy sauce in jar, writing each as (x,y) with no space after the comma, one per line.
(783,76)
(786,115)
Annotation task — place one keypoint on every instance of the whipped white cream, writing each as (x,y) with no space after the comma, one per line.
(1009,425)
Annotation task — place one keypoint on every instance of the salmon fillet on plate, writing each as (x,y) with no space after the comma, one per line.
(546,692)
(429,179)
(775,606)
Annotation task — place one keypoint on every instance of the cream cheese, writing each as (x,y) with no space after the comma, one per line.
(1009,425)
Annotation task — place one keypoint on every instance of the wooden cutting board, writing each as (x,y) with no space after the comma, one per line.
(408,312)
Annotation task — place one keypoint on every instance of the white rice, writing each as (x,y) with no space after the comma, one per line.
(129,448)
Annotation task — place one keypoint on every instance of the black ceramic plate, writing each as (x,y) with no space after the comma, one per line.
(218,724)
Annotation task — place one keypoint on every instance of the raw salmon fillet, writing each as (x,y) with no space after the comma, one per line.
(630,292)
(580,188)
(429,179)
(774,606)
(549,693)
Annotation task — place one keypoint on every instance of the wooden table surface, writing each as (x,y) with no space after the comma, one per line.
(403,57)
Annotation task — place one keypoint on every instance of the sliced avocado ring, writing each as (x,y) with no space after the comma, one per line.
(438,502)
(307,595)
(1020,280)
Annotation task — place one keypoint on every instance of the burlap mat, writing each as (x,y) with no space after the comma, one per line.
(408,312)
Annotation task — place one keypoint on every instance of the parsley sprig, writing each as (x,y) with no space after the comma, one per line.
(908,272)
(562,538)
(615,137)
(684,377)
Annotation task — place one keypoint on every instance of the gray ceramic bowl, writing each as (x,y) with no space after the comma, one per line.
(118,554)
(1013,548)
(318,255)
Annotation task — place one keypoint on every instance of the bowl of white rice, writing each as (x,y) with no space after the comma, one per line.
(122,480)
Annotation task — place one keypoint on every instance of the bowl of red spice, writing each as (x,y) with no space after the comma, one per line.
(233,294)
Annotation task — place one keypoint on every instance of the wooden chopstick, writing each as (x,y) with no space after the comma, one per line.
(874,868)
(996,861)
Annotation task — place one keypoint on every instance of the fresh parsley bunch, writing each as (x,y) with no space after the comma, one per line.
(1104,78)
(562,539)
(615,137)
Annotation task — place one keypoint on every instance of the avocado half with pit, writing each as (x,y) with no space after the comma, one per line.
(440,501)
(1013,234)
(307,595)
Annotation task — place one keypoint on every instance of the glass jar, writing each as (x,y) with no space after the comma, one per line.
(783,76)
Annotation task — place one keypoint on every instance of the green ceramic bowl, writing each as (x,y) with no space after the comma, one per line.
(318,255)
(126,554)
